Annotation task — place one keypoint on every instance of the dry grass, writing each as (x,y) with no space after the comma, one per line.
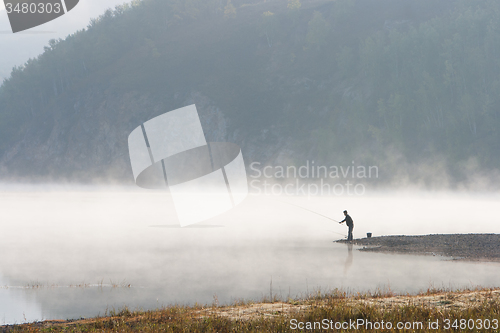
(276,316)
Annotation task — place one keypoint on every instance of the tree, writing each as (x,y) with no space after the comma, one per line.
(318,29)
(214,6)
(268,26)
(346,62)
(294,5)
(343,9)
(229,10)
(294,9)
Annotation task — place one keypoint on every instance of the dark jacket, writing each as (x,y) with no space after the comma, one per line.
(348,220)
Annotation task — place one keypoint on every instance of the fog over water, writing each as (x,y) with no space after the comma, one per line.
(70,253)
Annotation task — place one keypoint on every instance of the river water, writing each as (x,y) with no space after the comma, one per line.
(72,253)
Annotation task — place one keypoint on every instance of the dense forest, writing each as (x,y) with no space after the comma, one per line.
(404,84)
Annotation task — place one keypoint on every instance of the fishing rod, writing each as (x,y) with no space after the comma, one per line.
(312,211)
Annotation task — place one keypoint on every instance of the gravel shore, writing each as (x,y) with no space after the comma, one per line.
(458,246)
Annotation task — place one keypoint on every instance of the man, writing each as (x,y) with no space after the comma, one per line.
(350,224)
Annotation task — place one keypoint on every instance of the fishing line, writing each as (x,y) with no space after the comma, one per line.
(312,211)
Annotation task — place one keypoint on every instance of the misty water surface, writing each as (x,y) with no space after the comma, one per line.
(71,254)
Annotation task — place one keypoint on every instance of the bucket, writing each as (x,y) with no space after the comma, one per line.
(368,235)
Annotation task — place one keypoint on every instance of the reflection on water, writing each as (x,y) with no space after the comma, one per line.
(348,261)
(72,255)
(16,306)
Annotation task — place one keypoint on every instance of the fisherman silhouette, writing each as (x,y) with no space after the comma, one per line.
(350,224)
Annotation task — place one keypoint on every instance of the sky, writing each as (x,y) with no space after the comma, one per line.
(18,48)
